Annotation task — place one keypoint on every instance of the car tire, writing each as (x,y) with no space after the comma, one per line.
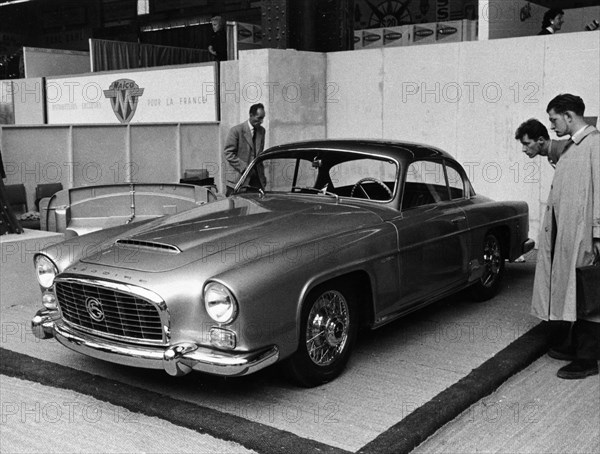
(492,260)
(328,331)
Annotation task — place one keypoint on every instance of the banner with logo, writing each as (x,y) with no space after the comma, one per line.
(392,13)
(172,95)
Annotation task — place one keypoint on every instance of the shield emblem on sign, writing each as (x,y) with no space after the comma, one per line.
(124,95)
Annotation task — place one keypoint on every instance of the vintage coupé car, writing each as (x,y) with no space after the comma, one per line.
(343,234)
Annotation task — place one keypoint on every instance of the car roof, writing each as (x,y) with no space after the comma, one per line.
(392,149)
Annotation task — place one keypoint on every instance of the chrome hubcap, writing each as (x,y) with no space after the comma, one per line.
(327,328)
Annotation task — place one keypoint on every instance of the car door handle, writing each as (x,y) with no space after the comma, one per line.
(458,220)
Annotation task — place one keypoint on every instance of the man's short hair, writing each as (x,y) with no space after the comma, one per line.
(566,102)
(532,128)
(550,15)
(254,108)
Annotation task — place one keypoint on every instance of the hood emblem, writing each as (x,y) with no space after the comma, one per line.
(94,308)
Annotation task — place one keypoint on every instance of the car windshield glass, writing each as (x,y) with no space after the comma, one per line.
(322,172)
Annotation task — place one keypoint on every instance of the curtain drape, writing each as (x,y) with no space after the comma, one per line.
(113,55)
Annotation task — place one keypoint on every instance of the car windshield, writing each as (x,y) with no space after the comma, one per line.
(332,173)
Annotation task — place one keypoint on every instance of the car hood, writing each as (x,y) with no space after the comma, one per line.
(239,228)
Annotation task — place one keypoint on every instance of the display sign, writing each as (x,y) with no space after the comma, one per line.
(424,33)
(450,31)
(397,36)
(372,38)
(392,13)
(172,95)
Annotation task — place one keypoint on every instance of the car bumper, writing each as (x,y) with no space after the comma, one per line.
(178,359)
(527,246)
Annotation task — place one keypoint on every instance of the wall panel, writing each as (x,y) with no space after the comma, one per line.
(99,155)
(200,149)
(32,158)
(467,98)
(419,86)
(155,153)
(355,94)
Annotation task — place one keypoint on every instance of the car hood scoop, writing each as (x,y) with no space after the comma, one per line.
(237,228)
(148,244)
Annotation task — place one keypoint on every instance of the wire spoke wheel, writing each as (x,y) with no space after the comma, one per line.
(329,324)
(327,328)
(492,258)
(492,262)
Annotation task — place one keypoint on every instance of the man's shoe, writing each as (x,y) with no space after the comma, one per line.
(580,368)
(561,355)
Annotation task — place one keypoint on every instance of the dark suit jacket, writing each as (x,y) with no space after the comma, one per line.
(218,41)
(239,152)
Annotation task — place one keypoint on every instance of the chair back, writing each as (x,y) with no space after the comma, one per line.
(17,198)
(45,190)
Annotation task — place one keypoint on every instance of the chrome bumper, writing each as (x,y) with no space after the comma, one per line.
(179,359)
(528,245)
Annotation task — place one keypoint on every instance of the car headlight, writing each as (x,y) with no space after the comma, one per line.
(220,303)
(45,270)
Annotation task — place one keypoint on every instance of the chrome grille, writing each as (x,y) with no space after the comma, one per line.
(107,310)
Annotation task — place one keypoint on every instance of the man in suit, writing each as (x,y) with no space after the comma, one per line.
(570,235)
(244,142)
(552,21)
(535,139)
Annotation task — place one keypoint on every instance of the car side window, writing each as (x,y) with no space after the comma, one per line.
(425,184)
(365,178)
(455,183)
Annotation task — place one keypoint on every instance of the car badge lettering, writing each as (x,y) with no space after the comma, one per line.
(444,31)
(124,95)
(94,308)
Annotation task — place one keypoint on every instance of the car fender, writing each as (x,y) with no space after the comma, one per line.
(299,269)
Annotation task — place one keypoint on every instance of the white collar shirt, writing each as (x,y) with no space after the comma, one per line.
(577,136)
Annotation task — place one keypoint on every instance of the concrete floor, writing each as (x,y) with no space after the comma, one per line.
(393,372)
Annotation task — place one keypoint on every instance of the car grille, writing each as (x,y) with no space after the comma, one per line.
(109,311)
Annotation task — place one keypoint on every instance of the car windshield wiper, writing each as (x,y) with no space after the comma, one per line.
(323,191)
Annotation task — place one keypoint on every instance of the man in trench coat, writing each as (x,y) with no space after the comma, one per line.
(244,142)
(570,235)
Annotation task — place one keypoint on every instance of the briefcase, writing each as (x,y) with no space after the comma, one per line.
(588,290)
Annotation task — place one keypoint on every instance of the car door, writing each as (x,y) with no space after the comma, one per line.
(432,235)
